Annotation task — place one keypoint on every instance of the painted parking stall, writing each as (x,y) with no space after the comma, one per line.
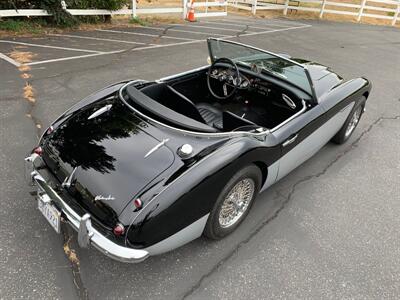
(86,44)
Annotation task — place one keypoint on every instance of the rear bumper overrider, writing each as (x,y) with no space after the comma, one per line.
(87,234)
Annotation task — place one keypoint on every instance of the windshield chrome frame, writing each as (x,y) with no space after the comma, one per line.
(313,94)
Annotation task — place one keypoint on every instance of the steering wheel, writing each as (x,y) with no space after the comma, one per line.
(223,78)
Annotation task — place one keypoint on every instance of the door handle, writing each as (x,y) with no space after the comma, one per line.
(290,140)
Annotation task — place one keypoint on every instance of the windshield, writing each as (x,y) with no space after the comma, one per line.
(261,61)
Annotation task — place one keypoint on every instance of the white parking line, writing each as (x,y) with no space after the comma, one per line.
(153,46)
(241,22)
(47,46)
(185,31)
(256,21)
(224,38)
(73,57)
(288,22)
(145,34)
(209,27)
(98,39)
(10,60)
(231,24)
(168,45)
(268,31)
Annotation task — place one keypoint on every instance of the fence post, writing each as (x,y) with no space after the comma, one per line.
(184,6)
(134,15)
(396,15)
(254,7)
(321,13)
(286,7)
(361,10)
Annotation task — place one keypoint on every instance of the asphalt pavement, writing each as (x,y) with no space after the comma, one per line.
(329,230)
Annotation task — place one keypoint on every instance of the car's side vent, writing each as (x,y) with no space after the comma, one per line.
(289,101)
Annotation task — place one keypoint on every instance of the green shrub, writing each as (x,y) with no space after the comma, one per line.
(97,4)
(16,25)
(60,17)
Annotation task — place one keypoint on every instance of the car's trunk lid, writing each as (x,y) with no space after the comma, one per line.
(102,151)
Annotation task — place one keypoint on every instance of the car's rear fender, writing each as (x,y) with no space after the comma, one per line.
(192,195)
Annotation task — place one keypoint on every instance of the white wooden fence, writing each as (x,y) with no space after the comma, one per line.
(134,10)
(390,9)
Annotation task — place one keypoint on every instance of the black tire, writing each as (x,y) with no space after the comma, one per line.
(343,135)
(214,230)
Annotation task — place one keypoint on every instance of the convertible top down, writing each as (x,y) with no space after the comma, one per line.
(142,167)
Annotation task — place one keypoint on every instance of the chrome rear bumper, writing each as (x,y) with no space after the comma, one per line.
(87,234)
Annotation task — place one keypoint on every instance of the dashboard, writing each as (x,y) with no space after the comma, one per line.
(243,82)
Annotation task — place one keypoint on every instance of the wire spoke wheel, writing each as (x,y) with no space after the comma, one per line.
(236,202)
(353,122)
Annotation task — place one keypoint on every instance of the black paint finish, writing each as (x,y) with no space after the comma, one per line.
(109,154)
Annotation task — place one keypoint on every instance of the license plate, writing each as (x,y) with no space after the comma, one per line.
(52,214)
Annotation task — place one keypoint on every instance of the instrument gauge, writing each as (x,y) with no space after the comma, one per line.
(245,84)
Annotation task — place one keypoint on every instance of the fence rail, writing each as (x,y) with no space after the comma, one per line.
(366,8)
(134,11)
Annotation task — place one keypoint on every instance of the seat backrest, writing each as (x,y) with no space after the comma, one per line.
(230,121)
(169,97)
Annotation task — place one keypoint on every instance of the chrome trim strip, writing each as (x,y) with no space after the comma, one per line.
(258,49)
(156,147)
(289,141)
(100,111)
(87,234)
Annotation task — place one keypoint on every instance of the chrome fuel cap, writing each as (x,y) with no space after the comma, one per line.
(185,150)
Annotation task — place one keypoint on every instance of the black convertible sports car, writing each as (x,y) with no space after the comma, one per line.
(140,168)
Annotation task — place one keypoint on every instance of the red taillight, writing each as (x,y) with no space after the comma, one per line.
(38,151)
(50,130)
(119,230)
(138,203)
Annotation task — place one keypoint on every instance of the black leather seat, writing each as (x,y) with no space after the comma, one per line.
(171,98)
(211,115)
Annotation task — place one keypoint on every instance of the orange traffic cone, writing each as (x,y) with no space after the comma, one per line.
(190,15)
